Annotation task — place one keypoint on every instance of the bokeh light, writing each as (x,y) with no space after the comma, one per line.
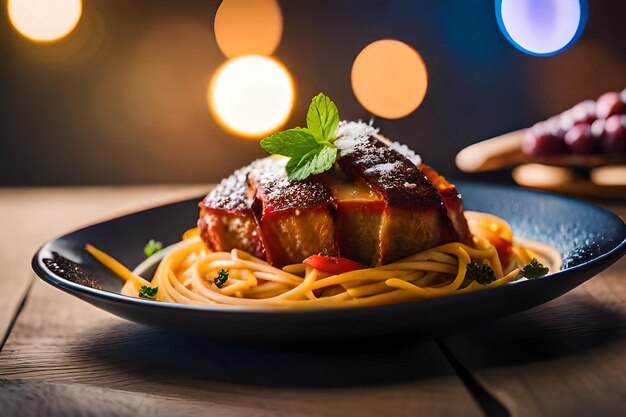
(542,27)
(389,78)
(251,95)
(248,27)
(44,20)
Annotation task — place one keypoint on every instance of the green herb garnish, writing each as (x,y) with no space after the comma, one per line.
(482,274)
(148,292)
(534,270)
(311,149)
(221,278)
(152,247)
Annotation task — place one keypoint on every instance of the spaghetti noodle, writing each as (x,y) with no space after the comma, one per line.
(186,274)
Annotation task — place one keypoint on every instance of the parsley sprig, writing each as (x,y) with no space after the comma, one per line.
(222,277)
(534,270)
(148,292)
(481,273)
(152,247)
(310,150)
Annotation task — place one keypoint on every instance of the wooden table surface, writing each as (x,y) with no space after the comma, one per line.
(60,356)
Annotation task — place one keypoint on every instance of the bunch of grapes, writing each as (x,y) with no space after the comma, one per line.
(590,127)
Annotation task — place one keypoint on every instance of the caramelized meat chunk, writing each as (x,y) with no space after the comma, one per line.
(414,217)
(226,219)
(359,210)
(295,217)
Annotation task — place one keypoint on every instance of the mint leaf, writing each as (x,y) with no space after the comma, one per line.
(293,143)
(297,168)
(311,150)
(315,162)
(324,159)
(322,119)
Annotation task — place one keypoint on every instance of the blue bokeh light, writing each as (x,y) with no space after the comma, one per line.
(542,27)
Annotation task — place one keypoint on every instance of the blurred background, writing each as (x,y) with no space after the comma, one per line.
(123,97)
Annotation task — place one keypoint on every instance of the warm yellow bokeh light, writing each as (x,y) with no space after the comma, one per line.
(44,20)
(251,95)
(389,78)
(248,27)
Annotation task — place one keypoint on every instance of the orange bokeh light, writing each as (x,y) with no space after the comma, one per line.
(44,20)
(389,78)
(251,95)
(248,27)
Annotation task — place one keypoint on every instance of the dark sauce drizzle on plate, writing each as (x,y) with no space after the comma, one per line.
(70,270)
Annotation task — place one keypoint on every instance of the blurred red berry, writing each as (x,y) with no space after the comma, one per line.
(609,104)
(581,141)
(554,126)
(584,112)
(597,128)
(566,121)
(614,139)
(542,144)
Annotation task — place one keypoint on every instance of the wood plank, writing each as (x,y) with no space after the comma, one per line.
(565,358)
(35,399)
(31,216)
(60,339)
(62,344)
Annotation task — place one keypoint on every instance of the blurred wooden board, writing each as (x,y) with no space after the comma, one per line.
(587,176)
(492,154)
(600,183)
(505,151)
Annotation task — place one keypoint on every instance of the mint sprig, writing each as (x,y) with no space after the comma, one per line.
(311,149)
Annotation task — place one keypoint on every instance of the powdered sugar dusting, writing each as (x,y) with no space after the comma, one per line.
(353,135)
(270,168)
(275,190)
(230,193)
(406,151)
(383,169)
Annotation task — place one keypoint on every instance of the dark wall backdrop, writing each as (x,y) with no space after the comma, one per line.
(123,98)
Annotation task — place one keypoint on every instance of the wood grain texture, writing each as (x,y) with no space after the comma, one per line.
(65,347)
(60,339)
(36,399)
(31,216)
(564,358)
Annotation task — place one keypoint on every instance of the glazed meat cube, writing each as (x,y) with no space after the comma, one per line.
(295,217)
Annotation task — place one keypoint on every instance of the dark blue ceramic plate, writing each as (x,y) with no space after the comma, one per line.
(590,239)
